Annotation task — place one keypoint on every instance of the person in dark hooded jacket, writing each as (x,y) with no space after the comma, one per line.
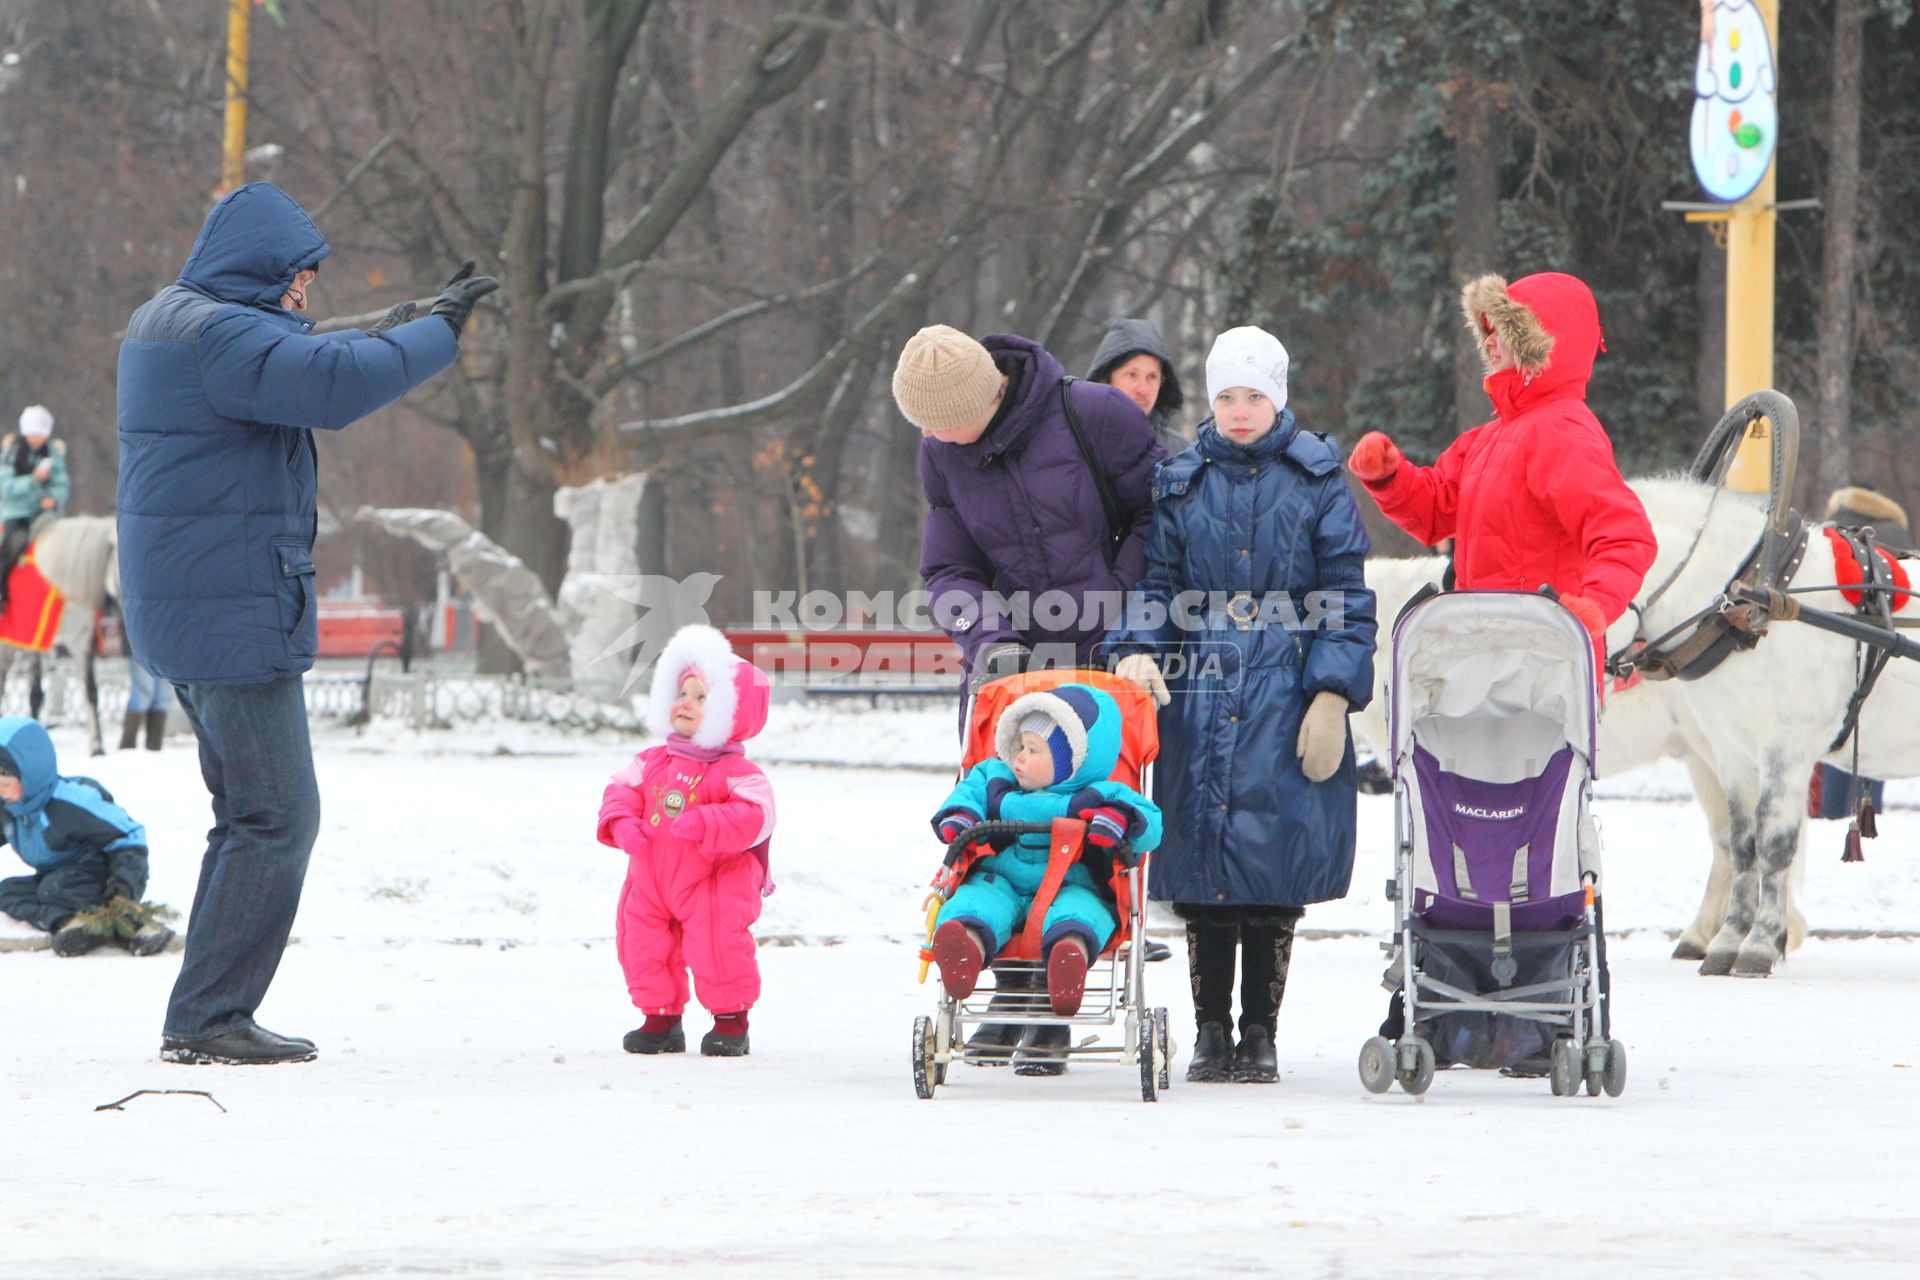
(87,853)
(1254,631)
(221,385)
(1020,552)
(1134,358)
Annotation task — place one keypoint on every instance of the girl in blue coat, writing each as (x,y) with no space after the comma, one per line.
(1254,630)
(1056,752)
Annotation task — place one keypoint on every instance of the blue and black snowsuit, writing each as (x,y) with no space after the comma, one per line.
(68,830)
(998,891)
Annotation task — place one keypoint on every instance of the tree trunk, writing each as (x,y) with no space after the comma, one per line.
(1476,232)
(1834,367)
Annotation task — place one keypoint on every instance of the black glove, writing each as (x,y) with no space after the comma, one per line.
(455,302)
(1005,658)
(396,317)
(118,888)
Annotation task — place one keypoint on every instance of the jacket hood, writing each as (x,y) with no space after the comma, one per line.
(27,752)
(737,691)
(1551,322)
(254,241)
(1126,339)
(1088,717)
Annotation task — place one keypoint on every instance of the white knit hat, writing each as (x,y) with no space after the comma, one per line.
(36,422)
(1248,357)
(944,379)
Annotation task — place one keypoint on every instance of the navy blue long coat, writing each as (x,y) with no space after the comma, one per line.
(219,390)
(1272,522)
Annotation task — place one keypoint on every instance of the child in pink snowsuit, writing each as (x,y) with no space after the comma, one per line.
(693,817)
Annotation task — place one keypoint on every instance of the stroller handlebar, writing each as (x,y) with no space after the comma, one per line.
(994,828)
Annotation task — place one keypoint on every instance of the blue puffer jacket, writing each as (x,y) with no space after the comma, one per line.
(1273,520)
(219,389)
(58,819)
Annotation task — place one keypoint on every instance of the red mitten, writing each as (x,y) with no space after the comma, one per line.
(1589,614)
(1375,458)
(953,824)
(1106,826)
(630,834)
(691,826)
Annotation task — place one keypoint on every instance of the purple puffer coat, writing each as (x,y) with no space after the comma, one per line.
(1017,512)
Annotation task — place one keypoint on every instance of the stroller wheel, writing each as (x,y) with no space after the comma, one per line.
(1614,1080)
(925,1073)
(1376,1064)
(1163,1046)
(1414,1077)
(1149,1050)
(1565,1074)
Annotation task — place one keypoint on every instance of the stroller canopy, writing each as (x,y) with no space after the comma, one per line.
(1493,682)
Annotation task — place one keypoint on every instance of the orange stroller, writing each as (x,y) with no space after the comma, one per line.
(1116,989)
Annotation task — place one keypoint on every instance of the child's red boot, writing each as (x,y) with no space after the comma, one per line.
(728,1039)
(960,958)
(1067,976)
(660,1033)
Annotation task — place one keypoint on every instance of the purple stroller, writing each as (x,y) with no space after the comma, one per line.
(1500,959)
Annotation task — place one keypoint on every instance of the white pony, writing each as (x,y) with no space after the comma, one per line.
(1749,732)
(79,558)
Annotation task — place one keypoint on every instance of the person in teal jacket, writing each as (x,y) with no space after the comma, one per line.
(33,484)
(1056,751)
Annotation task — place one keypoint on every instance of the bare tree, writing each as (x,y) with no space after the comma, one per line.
(1834,367)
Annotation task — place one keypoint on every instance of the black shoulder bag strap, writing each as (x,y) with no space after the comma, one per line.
(1117,528)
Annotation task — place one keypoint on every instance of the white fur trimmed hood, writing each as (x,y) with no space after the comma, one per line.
(737,691)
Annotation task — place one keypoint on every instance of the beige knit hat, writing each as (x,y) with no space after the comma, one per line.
(944,379)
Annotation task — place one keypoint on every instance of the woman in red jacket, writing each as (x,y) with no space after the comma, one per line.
(1532,498)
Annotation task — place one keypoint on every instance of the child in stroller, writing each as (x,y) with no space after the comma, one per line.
(1055,752)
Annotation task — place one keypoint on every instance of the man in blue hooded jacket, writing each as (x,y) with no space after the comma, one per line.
(221,385)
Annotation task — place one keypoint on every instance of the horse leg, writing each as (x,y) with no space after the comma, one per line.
(1713,904)
(36,692)
(1790,892)
(1743,888)
(1777,843)
(93,691)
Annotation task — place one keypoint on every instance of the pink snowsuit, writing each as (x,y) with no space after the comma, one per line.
(693,816)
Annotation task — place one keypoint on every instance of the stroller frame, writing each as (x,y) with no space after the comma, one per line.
(1116,978)
(1575,1004)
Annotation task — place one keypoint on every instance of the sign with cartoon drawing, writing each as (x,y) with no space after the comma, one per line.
(1735,122)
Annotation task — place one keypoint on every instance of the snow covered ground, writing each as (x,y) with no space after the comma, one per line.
(472,1112)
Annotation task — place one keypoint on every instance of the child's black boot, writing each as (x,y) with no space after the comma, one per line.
(660,1033)
(728,1039)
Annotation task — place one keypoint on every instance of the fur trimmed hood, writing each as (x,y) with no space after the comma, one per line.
(1085,718)
(1857,505)
(1552,324)
(737,691)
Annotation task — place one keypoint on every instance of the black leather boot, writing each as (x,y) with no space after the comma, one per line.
(1212,1060)
(247,1047)
(1043,1052)
(130,730)
(1255,1061)
(156,729)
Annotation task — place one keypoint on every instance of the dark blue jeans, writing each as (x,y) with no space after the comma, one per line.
(258,763)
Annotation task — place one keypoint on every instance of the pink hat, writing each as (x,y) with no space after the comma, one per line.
(737,691)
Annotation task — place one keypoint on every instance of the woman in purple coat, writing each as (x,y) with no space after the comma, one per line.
(1039,500)
(1031,535)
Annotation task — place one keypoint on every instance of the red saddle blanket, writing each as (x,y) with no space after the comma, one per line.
(31,619)
(1847,572)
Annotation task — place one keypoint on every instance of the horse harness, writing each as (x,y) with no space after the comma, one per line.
(1724,626)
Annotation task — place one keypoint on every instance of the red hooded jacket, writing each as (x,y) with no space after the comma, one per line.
(1533,497)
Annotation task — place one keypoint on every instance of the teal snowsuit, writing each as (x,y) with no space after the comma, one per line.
(999,890)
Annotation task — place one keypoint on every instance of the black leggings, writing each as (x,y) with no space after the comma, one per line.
(1263,939)
(12,543)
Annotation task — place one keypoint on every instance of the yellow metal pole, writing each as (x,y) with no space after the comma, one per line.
(1750,301)
(233,169)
